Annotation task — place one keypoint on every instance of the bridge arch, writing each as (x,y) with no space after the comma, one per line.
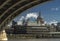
(15,9)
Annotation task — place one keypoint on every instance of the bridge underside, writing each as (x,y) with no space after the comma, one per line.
(9,9)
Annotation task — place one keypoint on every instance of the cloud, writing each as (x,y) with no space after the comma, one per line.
(55,9)
(34,15)
(21,18)
(54,22)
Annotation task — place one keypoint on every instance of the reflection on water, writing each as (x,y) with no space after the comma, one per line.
(35,40)
(3,40)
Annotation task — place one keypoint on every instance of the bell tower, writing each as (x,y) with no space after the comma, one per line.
(40,19)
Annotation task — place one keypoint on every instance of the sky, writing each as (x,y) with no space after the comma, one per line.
(49,11)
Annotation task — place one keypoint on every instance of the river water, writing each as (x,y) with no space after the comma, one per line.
(35,40)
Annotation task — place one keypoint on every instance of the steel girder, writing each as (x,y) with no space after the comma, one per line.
(9,9)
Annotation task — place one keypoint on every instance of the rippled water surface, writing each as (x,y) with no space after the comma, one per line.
(35,40)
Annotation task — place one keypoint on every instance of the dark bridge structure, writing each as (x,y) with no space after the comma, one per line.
(9,9)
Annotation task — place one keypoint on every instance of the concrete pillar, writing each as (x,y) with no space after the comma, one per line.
(3,35)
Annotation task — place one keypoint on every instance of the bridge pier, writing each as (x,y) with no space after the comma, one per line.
(3,35)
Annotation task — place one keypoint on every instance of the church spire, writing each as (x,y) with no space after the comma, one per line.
(39,14)
(40,19)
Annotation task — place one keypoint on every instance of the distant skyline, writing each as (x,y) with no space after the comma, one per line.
(49,10)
